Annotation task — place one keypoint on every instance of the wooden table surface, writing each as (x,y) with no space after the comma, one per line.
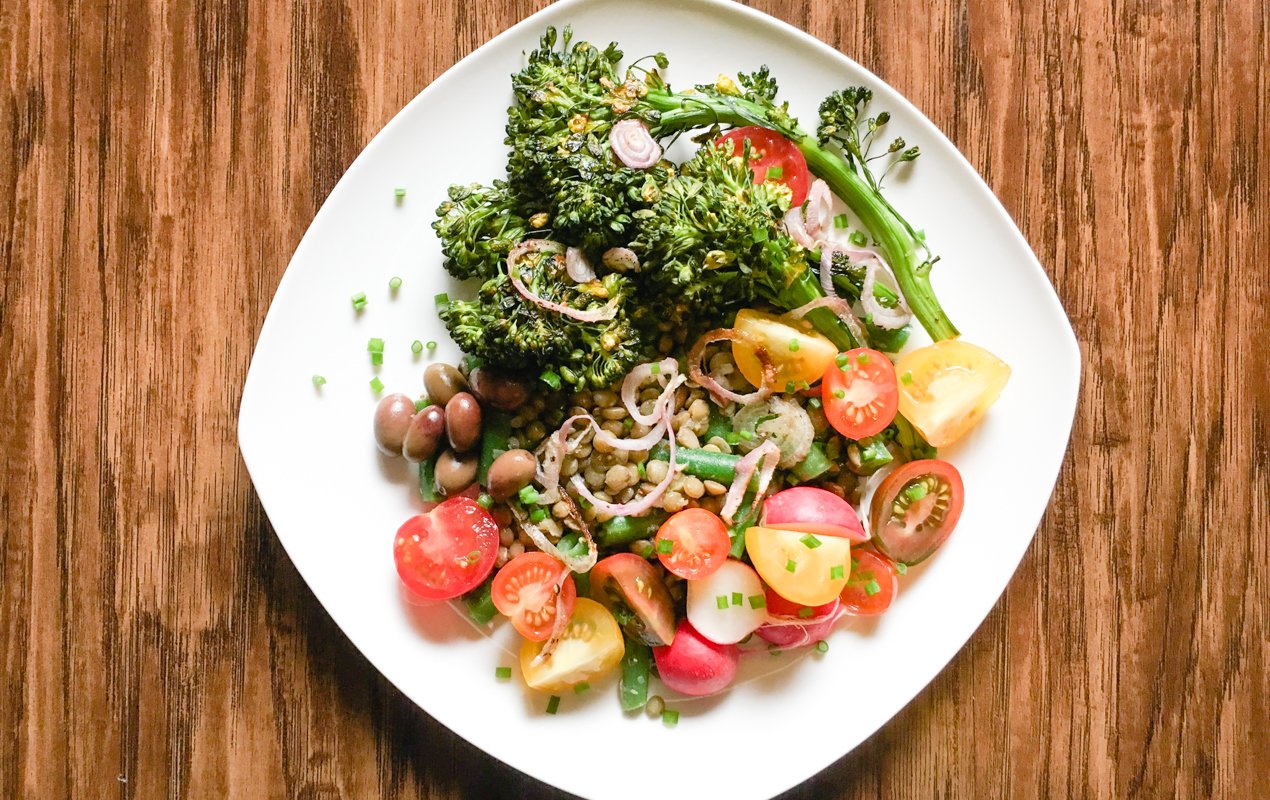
(158,164)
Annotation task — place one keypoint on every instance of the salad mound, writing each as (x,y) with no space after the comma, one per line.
(681,431)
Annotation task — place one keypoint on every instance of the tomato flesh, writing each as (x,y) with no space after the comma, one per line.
(860,397)
(947,388)
(630,588)
(525,592)
(916,508)
(799,354)
(801,567)
(448,551)
(772,158)
(873,585)
(693,543)
(590,646)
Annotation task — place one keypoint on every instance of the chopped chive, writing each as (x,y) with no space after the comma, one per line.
(790,566)
(627,424)
(757,601)
(553,705)
(746,435)
(581,687)
(733,438)
(655,369)
(822,646)
(399,192)
(858,239)
(773,650)
(359,301)
(809,541)
(921,234)
(813,403)
(721,601)
(538,514)
(503,673)
(442,299)
(422,403)
(841,221)
(836,572)
(528,495)
(377,359)
(484,501)
(915,491)
(737,598)
(665,546)
(871,588)
(790,387)
(842,359)
(907,377)
(839,393)
(805,612)
(394,283)
(416,347)
(670,718)
(775,173)
(901,567)
(474,556)
(376,385)
(793,345)
(862,358)
(431,345)
(643,472)
(550,378)
(375,345)
(318,380)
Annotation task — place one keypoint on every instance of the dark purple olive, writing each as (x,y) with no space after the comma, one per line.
(455,471)
(463,422)
(442,382)
(501,390)
(423,437)
(392,420)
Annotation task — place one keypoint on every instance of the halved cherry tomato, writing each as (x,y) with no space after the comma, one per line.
(872,586)
(812,510)
(631,589)
(860,396)
(447,551)
(693,543)
(590,646)
(799,354)
(947,387)
(772,158)
(524,591)
(916,508)
(801,567)
(793,624)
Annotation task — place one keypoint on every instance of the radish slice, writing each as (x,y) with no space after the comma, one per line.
(607,312)
(720,607)
(633,145)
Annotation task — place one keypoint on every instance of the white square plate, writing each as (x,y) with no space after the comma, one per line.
(335,503)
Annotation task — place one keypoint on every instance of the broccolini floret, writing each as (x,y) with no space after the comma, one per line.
(478,226)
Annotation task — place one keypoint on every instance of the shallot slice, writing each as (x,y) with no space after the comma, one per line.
(636,378)
(603,314)
(717,390)
(540,540)
(819,205)
(577,265)
(883,317)
(797,229)
(554,449)
(770,455)
(633,508)
(633,145)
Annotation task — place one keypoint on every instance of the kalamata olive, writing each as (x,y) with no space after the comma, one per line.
(463,422)
(499,389)
(392,420)
(424,434)
(442,382)
(510,472)
(455,471)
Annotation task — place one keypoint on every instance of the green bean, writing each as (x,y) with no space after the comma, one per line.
(816,463)
(428,481)
(744,519)
(636,666)
(705,464)
(624,530)
(494,441)
(480,603)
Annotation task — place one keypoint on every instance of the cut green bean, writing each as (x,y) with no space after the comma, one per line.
(636,665)
(816,463)
(624,530)
(428,481)
(480,603)
(494,437)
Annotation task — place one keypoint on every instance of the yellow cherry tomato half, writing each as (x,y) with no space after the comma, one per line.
(946,387)
(798,352)
(590,647)
(804,568)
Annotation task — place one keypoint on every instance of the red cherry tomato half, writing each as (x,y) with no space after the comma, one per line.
(630,588)
(447,551)
(694,665)
(793,625)
(872,585)
(772,157)
(916,508)
(524,591)
(861,396)
(812,510)
(693,543)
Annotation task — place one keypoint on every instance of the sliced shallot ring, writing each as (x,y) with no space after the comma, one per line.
(634,508)
(620,259)
(577,265)
(819,204)
(540,540)
(883,317)
(554,449)
(838,613)
(644,442)
(633,145)
(770,455)
(603,314)
(797,229)
(636,378)
(720,392)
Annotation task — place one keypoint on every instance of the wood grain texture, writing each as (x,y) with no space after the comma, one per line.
(159,161)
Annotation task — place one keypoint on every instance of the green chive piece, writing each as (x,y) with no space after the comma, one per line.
(836,572)
(628,423)
(319,381)
(907,377)
(553,705)
(375,345)
(643,472)
(842,359)
(581,687)
(757,601)
(431,345)
(790,387)
(550,378)
(915,491)
(732,438)
(665,546)
(528,495)
(399,192)
(721,601)
(790,566)
(822,646)
(863,358)
(809,541)
(737,598)
(813,403)
(841,221)
(670,718)
(746,435)
(805,612)
(772,650)
(359,301)
(538,515)
(442,299)
(503,673)
(416,347)
(422,403)
(871,588)
(377,359)
(839,393)
(484,501)
(655,369)
(775,173)
(394,283)
(858,239)
(793,345)
(376,385)
(901,567)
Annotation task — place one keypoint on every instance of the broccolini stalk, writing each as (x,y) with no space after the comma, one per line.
(847,177)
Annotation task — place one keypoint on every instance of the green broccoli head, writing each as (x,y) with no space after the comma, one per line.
(478,226)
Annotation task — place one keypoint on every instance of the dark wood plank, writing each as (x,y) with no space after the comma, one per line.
(159,163)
